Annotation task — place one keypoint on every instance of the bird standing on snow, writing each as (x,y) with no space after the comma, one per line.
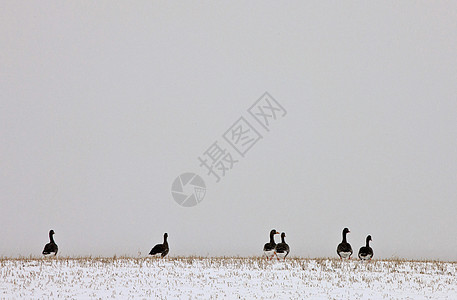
(161,249)
(269,248)
(282,249)
(50,247)
(366,253)
(344,249)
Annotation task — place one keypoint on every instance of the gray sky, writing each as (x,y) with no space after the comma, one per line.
(104,104)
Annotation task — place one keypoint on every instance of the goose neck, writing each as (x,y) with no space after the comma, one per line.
(272,238)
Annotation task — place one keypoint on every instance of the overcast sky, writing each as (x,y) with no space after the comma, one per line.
(103,104)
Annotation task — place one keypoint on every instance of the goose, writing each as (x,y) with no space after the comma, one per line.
(50,247)
(269,248)
(344,249)
(282,249)
(161,249)
(366,252)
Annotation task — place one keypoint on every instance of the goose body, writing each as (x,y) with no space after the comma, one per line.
(344,249)
(282,249)
(269,248)
(366,252)
(51,247)
(161,249)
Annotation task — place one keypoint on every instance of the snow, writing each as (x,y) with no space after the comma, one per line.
(247,278)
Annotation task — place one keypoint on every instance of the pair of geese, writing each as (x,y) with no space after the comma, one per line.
(344,249)
(159,249)
(272,249)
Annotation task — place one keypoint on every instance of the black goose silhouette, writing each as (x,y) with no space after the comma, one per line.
(269,248)
(366,253)
(50,247)
(282,249)
(161,249)
(344,249)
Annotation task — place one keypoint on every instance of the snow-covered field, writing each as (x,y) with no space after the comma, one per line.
(230,278)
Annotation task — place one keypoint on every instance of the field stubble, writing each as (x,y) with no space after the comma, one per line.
(225,277)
